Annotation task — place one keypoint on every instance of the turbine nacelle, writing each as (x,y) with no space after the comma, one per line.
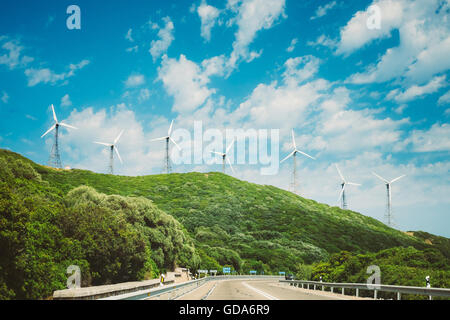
(224,155)
(295,151)
(113,145)
(57,124)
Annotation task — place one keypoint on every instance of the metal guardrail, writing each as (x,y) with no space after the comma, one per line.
(437,292)
(173,291)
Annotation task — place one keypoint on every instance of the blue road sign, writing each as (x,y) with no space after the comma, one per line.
(252,271)
(227,270)
(281,273)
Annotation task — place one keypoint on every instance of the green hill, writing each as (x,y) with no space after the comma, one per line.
(120,228)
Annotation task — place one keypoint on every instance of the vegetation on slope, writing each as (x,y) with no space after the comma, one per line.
(398,266)
(64,217)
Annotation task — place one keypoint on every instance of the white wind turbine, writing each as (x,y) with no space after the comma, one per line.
(389,216)
(225,158)
(293,154)
(55,159)
(112,148)
(343,184)
(168,138)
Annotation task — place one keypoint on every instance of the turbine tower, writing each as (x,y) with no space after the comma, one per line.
(388,216)
(342,197)
(293,154)
(112,147)
(55,158)
(225,158)
(168,138)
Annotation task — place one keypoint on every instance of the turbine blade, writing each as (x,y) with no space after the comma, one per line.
(305,154)
(54,114)
(158,139)
(353,184)
(170,129)
(339,171)
(342,192)
(379,177)
(229,162)
(117,151)
(219,153)
(398,178)
(118,137)
(176,144)
(103,143)
(67,125)
(290,155)
(51,128)
(293,139)
(229,147)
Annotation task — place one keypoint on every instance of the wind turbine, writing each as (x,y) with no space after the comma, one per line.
(389,216)
(168,138)
(55,159)
(343,184)
(225,158)
(112,147)
(293,154)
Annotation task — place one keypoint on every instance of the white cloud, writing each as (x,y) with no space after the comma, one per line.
(185,81)
(45,75)
(424,41)
(132,49)
(415,91)
(160,46)
(208,16)
(324,41)
(13,57)
(252,16)
(65,101)
(135,80)
(356,34)
(434,139)
(300,69)
(128,36)
(144,95)
(323,10)
(292,45)
(5,97)
(80,152)
(444,99)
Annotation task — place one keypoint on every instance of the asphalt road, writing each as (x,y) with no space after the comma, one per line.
(256,290)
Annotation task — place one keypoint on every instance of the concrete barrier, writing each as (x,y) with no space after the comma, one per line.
(98,292)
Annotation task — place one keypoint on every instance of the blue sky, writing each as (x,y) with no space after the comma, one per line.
(368,99)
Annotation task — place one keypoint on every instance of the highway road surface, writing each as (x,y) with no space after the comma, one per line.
(244,289)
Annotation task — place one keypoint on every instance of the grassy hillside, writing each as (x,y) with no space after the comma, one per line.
(220,221)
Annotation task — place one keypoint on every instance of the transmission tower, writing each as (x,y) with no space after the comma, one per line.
(55,159)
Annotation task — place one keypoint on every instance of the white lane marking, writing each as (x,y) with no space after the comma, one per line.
(192,290)
(209,292)
(268,296)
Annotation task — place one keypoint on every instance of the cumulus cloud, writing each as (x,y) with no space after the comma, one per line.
(444,99)
(12,56)
(252,16)
(424,41)
(165,35)
(185,81)
(208,16)
(5,97)
(415,91)
(292,45)
(46,75)
(434,139)
(323,10)
(65,101)
(135,80)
